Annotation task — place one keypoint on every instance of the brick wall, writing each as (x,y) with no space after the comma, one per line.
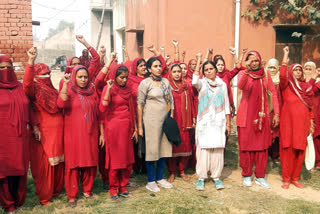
(16,31)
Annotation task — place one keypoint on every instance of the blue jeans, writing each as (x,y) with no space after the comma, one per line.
(150,169)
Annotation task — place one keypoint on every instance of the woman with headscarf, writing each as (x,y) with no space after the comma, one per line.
(154,98)
(213,123)
(272,67)
(117,106)
(184,115)
(95,65)
(85,59)
(310,72)
(254,133)
(80,103)
(14,155)
(296,121)
(47,159)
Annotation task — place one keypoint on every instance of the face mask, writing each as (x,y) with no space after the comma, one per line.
(7,75)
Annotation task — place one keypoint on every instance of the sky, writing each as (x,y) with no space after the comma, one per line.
(51,12)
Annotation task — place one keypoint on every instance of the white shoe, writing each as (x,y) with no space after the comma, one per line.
(165,184)
(153,187)
(247,181)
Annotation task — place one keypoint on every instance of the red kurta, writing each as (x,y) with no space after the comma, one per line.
(118,132)
(80,131)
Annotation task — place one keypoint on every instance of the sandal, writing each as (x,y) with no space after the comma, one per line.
(115,198)
(126,195)
(297,184)
(285,185)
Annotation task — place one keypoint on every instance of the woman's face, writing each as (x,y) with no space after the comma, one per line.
(176,73)
(184,70)
(220,66)
(297,73)
(156,68)
(255,62)
(5,65)
(141,69)
(307,70)
(82,78)
(75,62)
(193,65)
(210,72)
(122,79)
(272,70)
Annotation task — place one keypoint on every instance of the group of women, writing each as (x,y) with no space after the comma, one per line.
(111,115)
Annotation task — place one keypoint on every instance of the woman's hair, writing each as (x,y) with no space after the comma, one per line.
(175,65)
(216,61)
(249,54)
(206,63)
(73,59)
(217,56)
(149,64)
(121,70)
(140,61)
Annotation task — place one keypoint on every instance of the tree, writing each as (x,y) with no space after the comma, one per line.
(61,26)
(294,11)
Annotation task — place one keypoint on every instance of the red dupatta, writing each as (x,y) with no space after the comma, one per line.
(133,72)
(189,72)
(45,94)
(18,112)
(301,88)
(181,87)
(69,68)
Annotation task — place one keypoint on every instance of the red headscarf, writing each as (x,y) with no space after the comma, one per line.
(69,68)
(18,112)
(88,90)
(189,72)
(133,72)
(301,88)
(45,94)
(181,87)
(225,70)
(85,61)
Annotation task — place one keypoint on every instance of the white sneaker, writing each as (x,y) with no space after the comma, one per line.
(165,184)
(153,187)
(247,181)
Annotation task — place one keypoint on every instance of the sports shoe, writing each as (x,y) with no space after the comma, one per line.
(247,181)
(200,185)
(165,184)
(153,187)
(262,182)
(219,184)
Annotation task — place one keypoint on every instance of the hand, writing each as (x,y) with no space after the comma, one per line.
(275,120)
(37,133)
(175,42)
(311,130)
(102,51)
(151,48)
(232,50)
(194,123)
(66,78)
(316,74)
(140,132)
(171,114)
(81,39)
(102,141)
(110,84)
(135,136)
(228,129)
(263,63)
(162,48)
(198,55)
(124,48)
(183,54)
(244,50)
(168,63)
(32,53)
(210,50)
(286,50)
(113,56)
(167,57)
(233,111)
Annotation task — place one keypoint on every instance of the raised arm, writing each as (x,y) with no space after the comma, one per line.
(195,78)
(105,97)
(28,84)
(102,54)
(183,56)
(94,67)
(163,51)
(283,69)
(243,52)
(99,81)
(237,63)
(176,50)
(125,52)
(63,99)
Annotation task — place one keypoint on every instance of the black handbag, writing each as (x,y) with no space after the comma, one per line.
(171,129)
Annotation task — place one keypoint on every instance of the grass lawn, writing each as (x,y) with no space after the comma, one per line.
(183,198)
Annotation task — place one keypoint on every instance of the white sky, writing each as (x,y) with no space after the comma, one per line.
(51,12)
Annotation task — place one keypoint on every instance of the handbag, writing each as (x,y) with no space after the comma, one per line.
(269,94)
(309,158)
(171,130)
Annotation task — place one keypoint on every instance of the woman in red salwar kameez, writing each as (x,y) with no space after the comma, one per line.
(47,159)
(14,155)
(184,115)
(296,120)
(85,59)
(80,103)
(117,104)
(254,134)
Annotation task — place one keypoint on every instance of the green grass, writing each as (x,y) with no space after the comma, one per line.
(183,198)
